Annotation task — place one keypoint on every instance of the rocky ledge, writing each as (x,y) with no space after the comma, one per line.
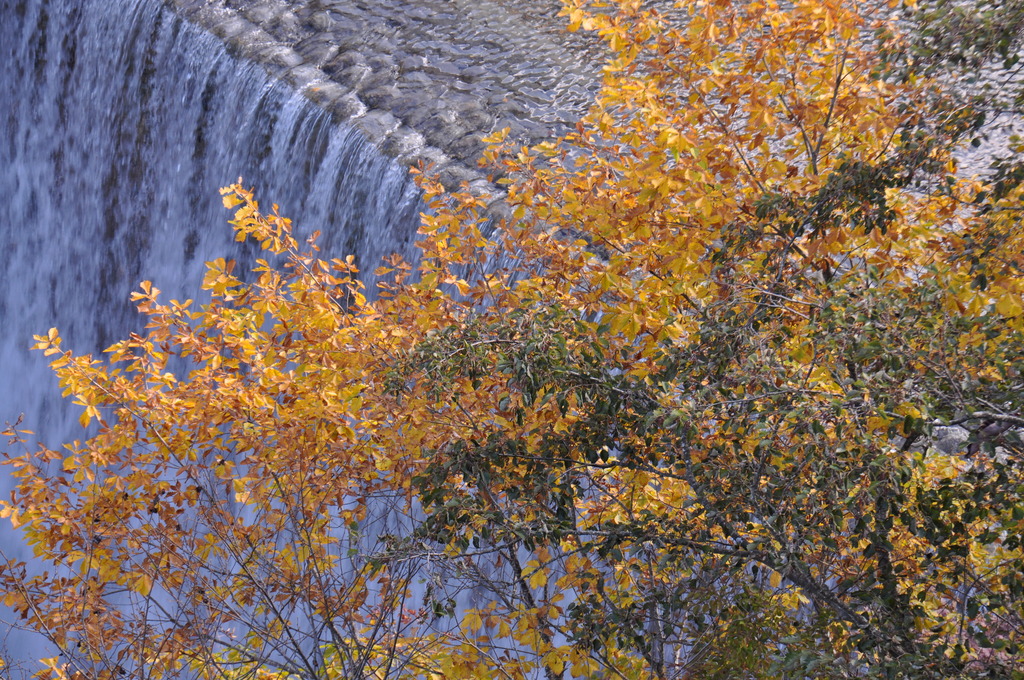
(423,79)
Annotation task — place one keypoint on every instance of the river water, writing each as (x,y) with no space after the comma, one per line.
(118,123)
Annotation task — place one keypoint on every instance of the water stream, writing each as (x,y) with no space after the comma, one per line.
(118,123)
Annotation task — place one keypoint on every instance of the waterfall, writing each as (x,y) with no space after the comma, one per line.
(120,121)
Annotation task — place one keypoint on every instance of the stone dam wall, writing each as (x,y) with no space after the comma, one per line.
(424,80)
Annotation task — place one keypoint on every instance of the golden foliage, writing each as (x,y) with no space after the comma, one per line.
(672,419)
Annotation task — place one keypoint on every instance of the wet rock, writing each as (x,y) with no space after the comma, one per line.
(317,49)
(376,125)
(403,142)
(469,147)
(445,127)
(261,13)
(420,14)
(383,63)
(279,55)
(404,106)
(303,75)
(231,25)
(483,187)
(338,65)
(473,114)
(512,106)
(536,95)
(413,63)
(414,111)
(442,68)
(186,8)
(474,72)
(326,93)
(377,79)
(320,21)
(346,107)
(455,175)
(353,76)
(286,26)
(381,97)
(250,43)
(415,80)
(428,157)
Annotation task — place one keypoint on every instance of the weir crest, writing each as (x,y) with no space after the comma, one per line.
(424,80)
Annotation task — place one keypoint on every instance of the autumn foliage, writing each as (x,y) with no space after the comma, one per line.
(677,416)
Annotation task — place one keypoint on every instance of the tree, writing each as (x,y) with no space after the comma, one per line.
(675,419)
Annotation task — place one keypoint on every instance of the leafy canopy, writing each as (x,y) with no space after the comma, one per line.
(679,415)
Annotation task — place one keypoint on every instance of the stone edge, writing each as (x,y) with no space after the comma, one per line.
(247,40)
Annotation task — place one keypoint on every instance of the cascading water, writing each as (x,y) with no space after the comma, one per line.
(120,121)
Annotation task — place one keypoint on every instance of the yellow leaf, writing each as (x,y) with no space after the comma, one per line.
(876,423)
(555,660)
(803,353)
(1009,305)
(472,621)
(143,585)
